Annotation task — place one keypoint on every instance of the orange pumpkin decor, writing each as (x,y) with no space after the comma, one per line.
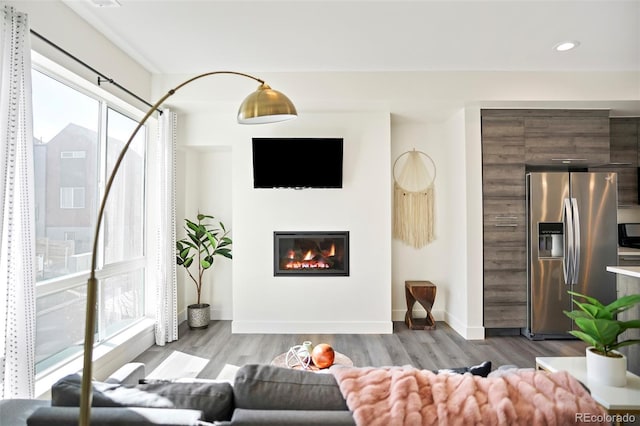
(323,355)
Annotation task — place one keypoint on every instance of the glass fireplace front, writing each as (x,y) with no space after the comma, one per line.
(311,253)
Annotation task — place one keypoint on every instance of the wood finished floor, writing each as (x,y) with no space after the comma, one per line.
(439,348)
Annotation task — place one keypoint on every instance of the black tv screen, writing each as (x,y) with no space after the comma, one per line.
(297,162)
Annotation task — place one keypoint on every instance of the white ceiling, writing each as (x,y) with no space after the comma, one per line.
(180,36)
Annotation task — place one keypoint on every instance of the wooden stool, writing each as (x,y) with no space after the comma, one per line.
(423,292)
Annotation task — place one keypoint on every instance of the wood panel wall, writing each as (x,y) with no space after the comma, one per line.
(504,227)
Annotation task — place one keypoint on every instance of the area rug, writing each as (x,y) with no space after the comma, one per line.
(178,365)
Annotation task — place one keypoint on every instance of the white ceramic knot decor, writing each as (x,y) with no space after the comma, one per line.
(298,356)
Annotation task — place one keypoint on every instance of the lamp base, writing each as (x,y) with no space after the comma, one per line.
(198,315)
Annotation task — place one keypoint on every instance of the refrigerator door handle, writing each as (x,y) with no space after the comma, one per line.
(576,245)
(567,259)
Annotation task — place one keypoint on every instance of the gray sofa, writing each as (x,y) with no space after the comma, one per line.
(260,395)
(267,395)
(20,412)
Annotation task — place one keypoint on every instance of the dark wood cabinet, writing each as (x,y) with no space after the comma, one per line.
(624,147)
(554,136)
(504,227)
(511,141)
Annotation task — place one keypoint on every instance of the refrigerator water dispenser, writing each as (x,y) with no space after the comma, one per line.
(550,240)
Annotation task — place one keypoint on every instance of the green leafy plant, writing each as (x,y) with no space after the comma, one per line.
(206,238)
(598,324)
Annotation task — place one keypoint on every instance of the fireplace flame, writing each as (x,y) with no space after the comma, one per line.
(310,260)
(307,264)
(306,254)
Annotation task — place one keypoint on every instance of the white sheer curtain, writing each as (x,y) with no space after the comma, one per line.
(166,327)
(17,217)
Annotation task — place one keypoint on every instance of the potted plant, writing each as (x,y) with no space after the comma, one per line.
(599,328)
(206,238)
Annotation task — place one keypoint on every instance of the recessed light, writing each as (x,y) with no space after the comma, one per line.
(566,45)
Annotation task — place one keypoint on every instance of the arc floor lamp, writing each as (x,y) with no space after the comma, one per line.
(264,105)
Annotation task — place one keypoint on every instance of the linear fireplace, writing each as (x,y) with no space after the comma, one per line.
(311,253)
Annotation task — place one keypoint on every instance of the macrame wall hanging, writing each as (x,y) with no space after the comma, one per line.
(414,174)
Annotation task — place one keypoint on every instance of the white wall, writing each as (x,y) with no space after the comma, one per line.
(424,263)
(262,303)
(473,210)
(455,173)
(359,303)
(60,25)
(203,186)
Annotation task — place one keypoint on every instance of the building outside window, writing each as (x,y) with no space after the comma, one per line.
(78,136)
(73,154)
(71,198)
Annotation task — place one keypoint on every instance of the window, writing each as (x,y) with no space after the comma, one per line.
(71,198)
(78,135)
(73,154)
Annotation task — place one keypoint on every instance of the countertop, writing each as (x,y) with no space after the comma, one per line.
(630,271)
(627,251)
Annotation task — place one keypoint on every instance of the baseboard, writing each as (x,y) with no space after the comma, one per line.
(500,332)
(182,316)
(216,314)
(468,333)
(380,327)
(320,327)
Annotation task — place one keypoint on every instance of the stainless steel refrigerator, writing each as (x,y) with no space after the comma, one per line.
(571,239)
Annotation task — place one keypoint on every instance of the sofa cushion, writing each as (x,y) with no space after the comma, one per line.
(102,416)
(215,400)
(243,417)
(15,412)
(267,387)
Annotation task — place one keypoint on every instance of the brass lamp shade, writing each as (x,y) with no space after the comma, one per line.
(266,105)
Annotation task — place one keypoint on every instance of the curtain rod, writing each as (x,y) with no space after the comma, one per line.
(101,76)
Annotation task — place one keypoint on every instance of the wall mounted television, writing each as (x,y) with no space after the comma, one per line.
(297,162)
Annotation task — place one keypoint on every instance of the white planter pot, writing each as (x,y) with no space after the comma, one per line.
(607,370)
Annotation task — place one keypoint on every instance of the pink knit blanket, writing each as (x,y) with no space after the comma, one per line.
(408,396)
